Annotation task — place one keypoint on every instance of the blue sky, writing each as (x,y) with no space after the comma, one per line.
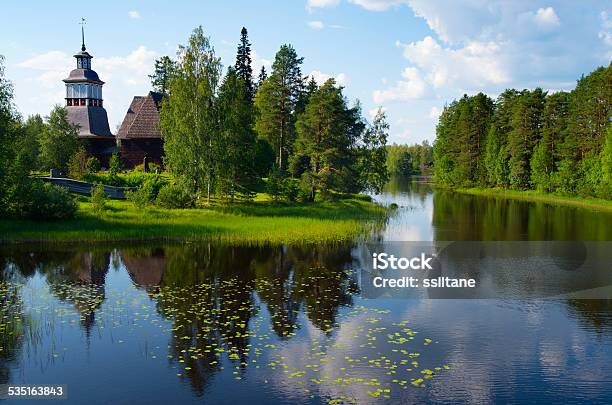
(408,56)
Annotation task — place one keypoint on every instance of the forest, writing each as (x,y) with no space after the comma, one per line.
(552,142)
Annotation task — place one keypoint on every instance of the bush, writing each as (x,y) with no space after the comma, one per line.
(93,164)
(77,166)
(98,199)
(153,168)
(147,192)
(173,196)
(274,186)
(114,165)
(139,197)
(47,201)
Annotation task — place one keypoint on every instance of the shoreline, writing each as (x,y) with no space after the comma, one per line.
(596,204)
(253,223)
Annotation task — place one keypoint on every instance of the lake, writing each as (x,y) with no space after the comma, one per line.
(215,323)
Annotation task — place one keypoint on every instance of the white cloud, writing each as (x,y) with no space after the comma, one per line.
(434,113)
(316,25)
(134,15)
(412,87)
(477,64)
(310,4)
(605,33)
(320,77)
(258,62)
(546,18)
(377,5)
(373,111)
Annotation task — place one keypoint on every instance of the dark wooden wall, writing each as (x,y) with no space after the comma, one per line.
(133,151)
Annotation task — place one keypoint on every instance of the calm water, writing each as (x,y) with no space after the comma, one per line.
(209,323)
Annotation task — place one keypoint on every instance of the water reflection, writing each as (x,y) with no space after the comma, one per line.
(289,323)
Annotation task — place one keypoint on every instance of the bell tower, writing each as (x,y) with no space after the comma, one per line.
(84,104)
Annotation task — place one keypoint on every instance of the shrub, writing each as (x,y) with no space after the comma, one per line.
(153,168)
(173,196)
(147,192)
(93,164)
(114,164)
(77,166)
(47,201)
(139,197)
(98,199)
(274,186)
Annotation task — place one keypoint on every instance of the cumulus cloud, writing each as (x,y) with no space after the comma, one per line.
(605,33)
(546,18)
(258,62)
(320,77)
(310,4)
(411,87)
(316,25)
(134,15)
(377,5)
(476,64)
(434,113)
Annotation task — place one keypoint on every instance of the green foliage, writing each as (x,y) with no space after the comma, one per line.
(98,199)
(173,196)
(46,201)
(275,184)
(553,143)
(264,157)
(77,166)
(114,164)
(188,119)
(93,164)
(243,65)
(236,142)
(276,100)
(162,75)
(408,160)
(59,141)
(373,159)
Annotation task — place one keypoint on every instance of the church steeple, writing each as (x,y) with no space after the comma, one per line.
(82,34)
(84,95)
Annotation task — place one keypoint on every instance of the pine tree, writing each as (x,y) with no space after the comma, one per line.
(160,79)
(263,75)
(243,64)
(237,139)
(276,101)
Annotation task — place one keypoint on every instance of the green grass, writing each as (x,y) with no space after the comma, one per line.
(259,222)
(530,195)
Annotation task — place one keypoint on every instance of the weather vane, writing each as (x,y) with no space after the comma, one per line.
(83,22)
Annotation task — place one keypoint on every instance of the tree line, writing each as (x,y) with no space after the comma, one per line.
(557,142)
(223,133)
(410,160)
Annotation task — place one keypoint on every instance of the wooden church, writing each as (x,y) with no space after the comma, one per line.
(139,136)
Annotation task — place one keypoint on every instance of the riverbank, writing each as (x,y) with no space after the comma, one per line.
(530,195)
(252,223)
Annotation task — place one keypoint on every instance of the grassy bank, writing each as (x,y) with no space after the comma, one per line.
(258,222)
(554,199)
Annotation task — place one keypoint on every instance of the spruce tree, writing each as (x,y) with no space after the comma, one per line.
(243,64)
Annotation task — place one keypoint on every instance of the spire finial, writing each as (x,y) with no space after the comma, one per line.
(82,34)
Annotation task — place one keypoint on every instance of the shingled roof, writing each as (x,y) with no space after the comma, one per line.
(142,118)
(92,121)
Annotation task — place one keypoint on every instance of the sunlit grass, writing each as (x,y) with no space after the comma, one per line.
(530,195)
(258,222)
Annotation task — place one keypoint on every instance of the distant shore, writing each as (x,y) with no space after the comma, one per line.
(251,223)
(536,196)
